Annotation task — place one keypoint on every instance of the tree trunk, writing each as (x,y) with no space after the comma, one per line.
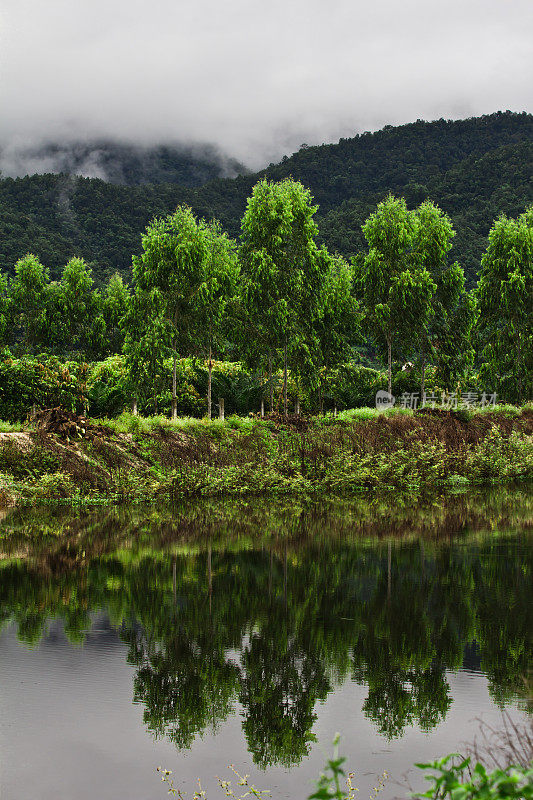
(174,388)
(519,368)
(389,571)
(209,376)
(134,409)
(297,407)
(423,371)
(270,384)
(285,412)
(221,408)
(174,410)
(389,360)
(262,408)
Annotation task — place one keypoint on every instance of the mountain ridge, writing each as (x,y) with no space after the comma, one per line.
(475,169)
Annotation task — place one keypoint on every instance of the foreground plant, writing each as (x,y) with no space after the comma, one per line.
(332,783)
(248,790)
(459,781)
(451,777)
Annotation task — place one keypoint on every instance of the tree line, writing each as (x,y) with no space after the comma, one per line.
(279,302)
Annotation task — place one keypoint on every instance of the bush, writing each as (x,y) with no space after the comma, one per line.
(43,381)
(107,390)
(50,486)
(353,386)
(21,463)
(499,457)
(458,781)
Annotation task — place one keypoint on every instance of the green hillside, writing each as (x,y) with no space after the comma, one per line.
(473,192)
(475,169)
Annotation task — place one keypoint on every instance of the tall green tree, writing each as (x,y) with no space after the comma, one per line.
(505,292)
(146,346)
(444,333)
(220,277)
(454,317)
(171,269)
(338,323)
(395,290)
(6,309)
(29,294)
(82,318)
(280,266)
(115,300)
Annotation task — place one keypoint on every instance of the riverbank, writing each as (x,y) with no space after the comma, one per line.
(141,459)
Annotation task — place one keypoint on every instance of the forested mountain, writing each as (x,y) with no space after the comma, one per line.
(473,192)
(474,169)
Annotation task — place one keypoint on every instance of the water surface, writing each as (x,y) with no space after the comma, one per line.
(221,633)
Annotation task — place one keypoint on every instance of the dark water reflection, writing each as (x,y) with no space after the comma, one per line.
(256,618)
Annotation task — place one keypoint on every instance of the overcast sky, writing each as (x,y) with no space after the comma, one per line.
(256,77)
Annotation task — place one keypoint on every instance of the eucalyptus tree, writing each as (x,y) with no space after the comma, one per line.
(505,292)
(220,270)
(444,333)
(338,323)
(82,321)
(453,320)
(171,269)
(6,309)
(115,301)
(395,290)
(280,267)
(145,348)
(29,290)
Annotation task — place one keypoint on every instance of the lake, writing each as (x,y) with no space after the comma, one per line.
(249,633)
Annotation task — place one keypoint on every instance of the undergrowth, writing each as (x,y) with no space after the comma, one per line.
(361,450)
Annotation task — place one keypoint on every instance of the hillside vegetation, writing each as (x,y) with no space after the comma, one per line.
(139,459)
(474,169)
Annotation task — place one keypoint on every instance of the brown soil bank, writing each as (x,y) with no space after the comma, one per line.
(454,429)
(69,458)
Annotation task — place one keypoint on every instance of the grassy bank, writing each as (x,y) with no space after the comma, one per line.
(138,459)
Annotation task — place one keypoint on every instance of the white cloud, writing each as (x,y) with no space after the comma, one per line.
(255,78)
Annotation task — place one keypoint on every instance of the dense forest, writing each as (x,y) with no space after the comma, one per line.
(474,169)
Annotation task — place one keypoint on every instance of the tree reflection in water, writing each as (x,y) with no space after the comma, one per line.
(272,606)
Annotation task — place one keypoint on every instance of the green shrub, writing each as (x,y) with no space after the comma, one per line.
(50,486)
(43,381)
(10,427)
(500,457)
(107,390)
(453,777)
(22,463)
